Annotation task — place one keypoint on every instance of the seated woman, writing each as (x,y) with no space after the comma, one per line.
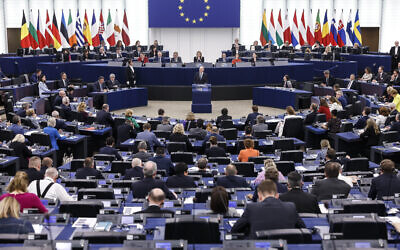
(370,136)
(129,116)
(382,117)
(324,109)
(43,87)
(261,175)
(85,55)
(271,173)
(198,58)
(190,121)
(178,135)
(286,82)
(236,60)
(290,113)
(18,189)
(325,145)
(219,203)
(253,59)
(52,132)
(21,150)
(367,77)
(249,151)
(31,116)
(82,113)
(335,104)
(334,124)
(153,52)
(10,223)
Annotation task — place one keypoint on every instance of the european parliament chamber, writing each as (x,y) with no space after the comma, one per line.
(199,124)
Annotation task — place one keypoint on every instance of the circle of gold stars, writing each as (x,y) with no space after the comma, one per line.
(193,20)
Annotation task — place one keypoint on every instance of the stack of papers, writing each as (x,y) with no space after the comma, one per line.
(85,222)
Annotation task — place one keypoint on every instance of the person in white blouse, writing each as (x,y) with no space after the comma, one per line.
(290,113)
(49,188)
(382,117)
(43,87)
(367,75)
(335,104)
(286,82)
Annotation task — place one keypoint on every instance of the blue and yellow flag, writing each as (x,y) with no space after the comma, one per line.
(357,31)
(325,30)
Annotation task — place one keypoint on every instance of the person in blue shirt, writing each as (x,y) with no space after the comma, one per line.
(109,150)
(342,99)
(10,223)
(251,118)
(35,76)
(53,133)
(162,161)
(16,125)
(362,122)
(214,132)
(148,136)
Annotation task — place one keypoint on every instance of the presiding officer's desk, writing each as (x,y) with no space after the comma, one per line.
(277,97)
(16,65)
(123,98)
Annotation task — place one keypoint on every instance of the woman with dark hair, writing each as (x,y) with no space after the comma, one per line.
(367,75)
(219,203)
(271,173)
(324,109)
(119,45)
(370,136)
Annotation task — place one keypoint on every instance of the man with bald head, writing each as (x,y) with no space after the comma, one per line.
(395,54)
(231,179)
(136,171)
(200,77)
(155,199)
(58,99)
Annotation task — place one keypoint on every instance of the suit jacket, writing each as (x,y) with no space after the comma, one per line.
(150,138)
(112,84)
(384,185)
(83,173)
(396,81)
(141,189)
(260,127)
(392,52)
(395,127)
(381,78)
(198,80)
(222,118)
(354,85)
(164,163)
(125,132)
(57,101)
(21,113)
(330,81)
(305,202)
(198,132)
(324,189)
(250,120)
(110,151)
(310,118)
(215,152)
(96,87)
(134,172)
(16,129)
(105,118)
(360,124)
(267,215)
(130,75)
(144,156)
(33,174)
(176,60)
(195,59)
(21,151)
(232,182)
(155,210)
(180,181)
(62,83)
(177,137)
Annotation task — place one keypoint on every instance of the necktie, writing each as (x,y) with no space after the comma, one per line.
(201,75)
(101,87)
(349,85)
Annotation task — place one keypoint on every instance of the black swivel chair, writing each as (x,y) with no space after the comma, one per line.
(186,157)
(283,144)
(245,169)
(356,164)
(96,193)
(293,128)
(292,155)
(176,147)
(120,167)
(285,167)
(229,133)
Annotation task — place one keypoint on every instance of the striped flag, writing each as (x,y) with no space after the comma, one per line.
(101,27)
(295,31)
(86,30)
(349,31)
(25,42)
(357,31)
(286,29)
(110,30)
(71,30)
(33,38)
(95,31)
(333,34)
(80,40)
(40,32)
(317,29)
(264,30)
(64,32)
(272,31)
(47,33)
(279,30)
(54,32)
(125,30)
(302,28)
(325,30)
(341,32)
(117,28)
(310,35)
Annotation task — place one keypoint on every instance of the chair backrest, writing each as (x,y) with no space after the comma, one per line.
(349,109)
(357,108)
(220,160)
(292,155)
(240,144)
(162,134)
(292,236)
(258,159)
(154,124)
(120,166)
(226,124)
(388,136)
(40,138)
(283,144)
(176,147)
(80,183)
(293,128)
(285,167)
(7,151)
(186,157)
(84,208)
(76,164)
(27,122)
(320,118)
(342,114)
(96,193)
(6,135)
(229,133)
(356,164)
(262,134)
(245,169)
(104,157)
(346,127)
(221,144)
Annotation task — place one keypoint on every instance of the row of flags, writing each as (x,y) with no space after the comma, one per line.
(303,32)
(70,33)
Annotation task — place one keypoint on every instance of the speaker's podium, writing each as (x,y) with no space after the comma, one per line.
(201,98)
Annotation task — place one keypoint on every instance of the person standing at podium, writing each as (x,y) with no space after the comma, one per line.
(200,77)
(130,74)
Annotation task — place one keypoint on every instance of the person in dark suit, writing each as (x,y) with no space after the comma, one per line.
(149,136)
(310,117)
(269,213)
(199,132)
(178,135)
(395,78)
(88,170)
(136,171)
(159,58)
(370,136)
(100,86)
(251,118)
(35,76)
(104,117)
(22,111)
(20,150)
(33,170)
(305,202)
(58,99)
(130,74)
(175,58)
(163,162)
(395,54)
(137,52)
(214,150)
(156,199)
(66,108)
(125,131)
(112,82)
(102,54)
(141,188)
(328,80)
(181,178)
(215,133)
(200,77)
(153,52)
(387,183)
(235,43)
(396,124)
(142,153)
(16,127)
(198,58)
(362,121)
(353,84)
(224,116)
(231,179)
(324,189)
(381,76)
(109,149)
(63,82)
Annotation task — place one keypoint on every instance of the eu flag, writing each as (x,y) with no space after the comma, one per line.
(194,13)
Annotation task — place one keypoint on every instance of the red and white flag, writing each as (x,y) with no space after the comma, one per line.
(40,32)
(310,30)
(47,32)
(95,31)
(101,27)
(286,29)
(302,30)
(125,31)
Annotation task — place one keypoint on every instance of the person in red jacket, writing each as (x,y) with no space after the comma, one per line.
(324,108)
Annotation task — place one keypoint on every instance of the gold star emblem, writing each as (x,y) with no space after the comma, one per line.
(208,7)
(194,21)
(180,7)
(205,14)
(187,19)
(201,19)
(182,1)
(182,14)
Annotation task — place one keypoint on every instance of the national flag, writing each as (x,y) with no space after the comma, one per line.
(302,28)
(341,32)
(117,28)
(333,34)
(101,27)
(279,30)
(271,30)
(325,30)
(295,30)
(55,34)
(25,42)
(71,31)
(64,32)
(40,32)
(86,30)
(310,36)
(33,38)
(110,30)
(125,30)
(357,31)
(286,29)
(47,33)
(95,31)
(264,30)
(80,40)
(317,29)
(349,31)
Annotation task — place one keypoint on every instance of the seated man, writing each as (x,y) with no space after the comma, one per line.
(310,117)
(140,189)
(16,127)
(60,123)
(112,82)
(214,150)
(104,117)
(215,133)
(327,80)
(163,162)
(33,170)
(202,168)
(109,149)
(181,178)
(260,126)
(125,131)
(199,131)
(248,134)
(136,171)
(156,199)
(142,152)
(224,116)
(165,126)
(251,118)
(342,99)
(148,136)
(66,107)
(362,122)
(267,214)
(387,183)
(22,112)
(88,170)
(231,179)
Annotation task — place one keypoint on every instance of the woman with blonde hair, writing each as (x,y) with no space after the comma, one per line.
(261,175)
(290,113)
(271,173)
(325,145)
(370,136)
(18,189)
(129,116)
(9,218)
(21,150)
(190,121)
(335,104)
(82,113)
(209,127)
(178,135)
